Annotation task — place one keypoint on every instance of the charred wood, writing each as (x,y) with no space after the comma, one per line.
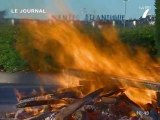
(44,116)
(36,96)
(41,102)
(114,91)
(130,103)
(114,79)
(66,112)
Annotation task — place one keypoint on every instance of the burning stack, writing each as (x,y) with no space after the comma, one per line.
(106,103)
(98,105)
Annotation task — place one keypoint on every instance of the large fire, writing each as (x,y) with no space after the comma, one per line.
(50,47)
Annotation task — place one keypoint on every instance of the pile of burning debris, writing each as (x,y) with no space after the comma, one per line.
(98,105)
(101,104)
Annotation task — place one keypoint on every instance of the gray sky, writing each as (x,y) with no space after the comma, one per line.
(77,6)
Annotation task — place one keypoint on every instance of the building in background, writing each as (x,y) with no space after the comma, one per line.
(93,19)
(2,16)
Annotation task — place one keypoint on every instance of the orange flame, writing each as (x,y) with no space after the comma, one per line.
(141,96)
(61,45)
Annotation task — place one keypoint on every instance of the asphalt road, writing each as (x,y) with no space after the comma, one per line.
(23,82)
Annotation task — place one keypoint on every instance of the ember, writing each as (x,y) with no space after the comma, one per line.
(98,105)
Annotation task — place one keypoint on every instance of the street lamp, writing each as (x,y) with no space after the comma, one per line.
(125,11)
(83,12)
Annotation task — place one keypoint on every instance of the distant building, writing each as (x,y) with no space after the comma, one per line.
(93,19)
(145,19)
(2,16)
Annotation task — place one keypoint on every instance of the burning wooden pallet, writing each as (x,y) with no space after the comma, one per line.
(107,103)
(98,105)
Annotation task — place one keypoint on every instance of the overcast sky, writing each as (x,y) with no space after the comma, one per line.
(134,7)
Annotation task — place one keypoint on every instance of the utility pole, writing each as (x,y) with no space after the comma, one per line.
(125,11)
